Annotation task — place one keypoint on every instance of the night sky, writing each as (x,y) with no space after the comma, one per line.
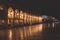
(40,7)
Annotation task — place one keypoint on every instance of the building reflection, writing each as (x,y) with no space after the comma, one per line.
(10,34)
(49,26)
(25,33)
(30,31)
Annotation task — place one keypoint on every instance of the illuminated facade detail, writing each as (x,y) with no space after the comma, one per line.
(10,13)
(15,16)
(16,13)
(1,8)
(21,15)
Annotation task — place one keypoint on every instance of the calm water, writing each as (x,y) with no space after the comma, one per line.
(50,31)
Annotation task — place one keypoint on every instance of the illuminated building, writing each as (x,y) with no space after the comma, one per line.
(18,17)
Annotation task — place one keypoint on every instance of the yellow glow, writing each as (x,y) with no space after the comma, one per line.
(30,31)
(40,27)
(10,34)
(16,21)
(16,13)
(2,21)
(8,21)
(40,19)
(25,17)
(21,21)
(21,12)
(53,25)
(21,34)
(33,30)
(10,13)
(25,31)
(21,15)
(1,8)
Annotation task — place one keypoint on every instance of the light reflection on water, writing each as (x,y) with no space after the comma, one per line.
(10,34)
(30,31)
(49,25)
(26,32)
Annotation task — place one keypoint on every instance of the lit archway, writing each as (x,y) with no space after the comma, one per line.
(10,15)
(16,13)
(10,12)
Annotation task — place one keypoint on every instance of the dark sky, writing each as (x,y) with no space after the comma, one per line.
(46,7)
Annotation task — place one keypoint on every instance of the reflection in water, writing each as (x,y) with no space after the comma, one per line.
(53,25)
(30,31)
(26,32)
(10,34)
(21,34)
(49,25)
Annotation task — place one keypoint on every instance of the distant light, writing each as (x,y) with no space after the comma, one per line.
(1,8)
(53,17)
(21,11)
(44,16)
(10,12)
(17,14)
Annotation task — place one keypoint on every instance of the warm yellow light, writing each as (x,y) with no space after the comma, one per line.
(1,8)
(10,12)
(40,27)
(16,13)
(53,25)
(8,21)
(10,34)
(40,19)
(21,34)
(16,21)
(21,15)
(21,11)
(2,21)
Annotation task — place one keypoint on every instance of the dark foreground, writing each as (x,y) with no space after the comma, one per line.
(45,31)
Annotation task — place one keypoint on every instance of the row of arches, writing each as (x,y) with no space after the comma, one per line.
(20,17)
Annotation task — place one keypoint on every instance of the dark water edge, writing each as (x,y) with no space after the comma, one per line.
(45,31)
(4,27)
